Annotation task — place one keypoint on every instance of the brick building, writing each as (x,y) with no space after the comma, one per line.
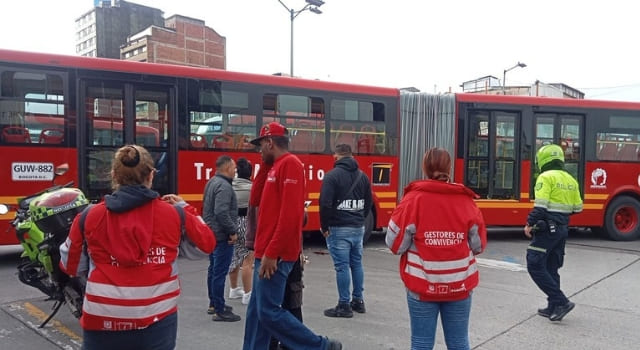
(182,40)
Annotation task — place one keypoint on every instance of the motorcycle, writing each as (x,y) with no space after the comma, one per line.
(42,222)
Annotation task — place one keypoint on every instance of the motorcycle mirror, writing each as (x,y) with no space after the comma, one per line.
(62,169)
(3,209)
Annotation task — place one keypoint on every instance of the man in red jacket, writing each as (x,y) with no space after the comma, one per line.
(277,246)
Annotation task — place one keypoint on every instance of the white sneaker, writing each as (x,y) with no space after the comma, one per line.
(236,293)
(245,298)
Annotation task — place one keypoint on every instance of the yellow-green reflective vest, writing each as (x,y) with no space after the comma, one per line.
(557,191)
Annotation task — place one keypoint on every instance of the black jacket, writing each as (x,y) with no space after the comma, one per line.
(354,206)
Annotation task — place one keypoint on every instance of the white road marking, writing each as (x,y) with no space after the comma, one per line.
(501,265)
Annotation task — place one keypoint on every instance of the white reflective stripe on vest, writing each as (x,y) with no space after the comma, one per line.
(463,263)
(129,312)
(129,293)
(440,277)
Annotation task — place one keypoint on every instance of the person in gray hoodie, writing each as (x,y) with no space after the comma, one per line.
(220,212)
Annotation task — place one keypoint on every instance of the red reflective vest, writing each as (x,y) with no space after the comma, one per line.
(133,274)
(435,227)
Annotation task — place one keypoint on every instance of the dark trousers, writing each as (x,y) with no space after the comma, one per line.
(292,301)
(545,256)
(159,336)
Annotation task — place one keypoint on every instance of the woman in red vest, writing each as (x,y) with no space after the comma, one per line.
(131,239)
(438,230)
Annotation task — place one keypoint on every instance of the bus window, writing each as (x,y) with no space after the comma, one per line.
(491,154)
(570,142)
(304,117)
(564,131)
(620,140)
(219,118)
(360,124)
(505,155)
(36,102)
(45,120)
(617,146)
(104,110)
(477,172)
(152,117)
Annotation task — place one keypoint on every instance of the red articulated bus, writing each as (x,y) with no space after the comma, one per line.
(62,109)
(494,139)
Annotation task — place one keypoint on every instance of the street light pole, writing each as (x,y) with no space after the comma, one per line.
(293,16)
(504,75)
(313,6)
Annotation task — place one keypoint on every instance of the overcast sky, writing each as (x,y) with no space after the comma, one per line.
(429,44)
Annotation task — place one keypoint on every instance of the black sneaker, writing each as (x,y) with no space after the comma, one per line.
(357,305)
(546,312)
(212,310)
(561,311)
(333,344)
(341,310)
(226,316)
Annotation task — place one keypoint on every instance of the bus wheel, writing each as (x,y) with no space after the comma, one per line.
(622,219)
(369,222)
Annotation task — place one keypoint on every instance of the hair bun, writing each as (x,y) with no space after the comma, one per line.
(132,162)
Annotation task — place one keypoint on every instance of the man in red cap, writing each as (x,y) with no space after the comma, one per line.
(277,246)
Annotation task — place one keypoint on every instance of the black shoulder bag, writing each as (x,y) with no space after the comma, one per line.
(353,185)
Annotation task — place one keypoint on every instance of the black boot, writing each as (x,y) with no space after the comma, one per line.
(561,311)
(357,305)
(341,310)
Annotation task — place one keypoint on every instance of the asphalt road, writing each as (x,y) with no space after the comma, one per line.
(600,276)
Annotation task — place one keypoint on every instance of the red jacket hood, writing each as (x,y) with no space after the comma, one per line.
(436,186)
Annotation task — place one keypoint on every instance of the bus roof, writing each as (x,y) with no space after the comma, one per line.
(114,65)
(546,101)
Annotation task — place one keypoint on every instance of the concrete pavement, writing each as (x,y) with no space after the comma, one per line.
(601,281)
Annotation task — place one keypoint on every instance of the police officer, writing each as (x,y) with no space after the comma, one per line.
(557,196)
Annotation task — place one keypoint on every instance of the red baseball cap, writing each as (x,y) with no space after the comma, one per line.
(271,129)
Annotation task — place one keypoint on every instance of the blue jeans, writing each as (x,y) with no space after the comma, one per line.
(266,317)
(424,319)
(219,262)
(160,335)
(345,246)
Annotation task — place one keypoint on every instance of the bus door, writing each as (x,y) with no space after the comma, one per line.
(566,131)
(492,144)
(113,114)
